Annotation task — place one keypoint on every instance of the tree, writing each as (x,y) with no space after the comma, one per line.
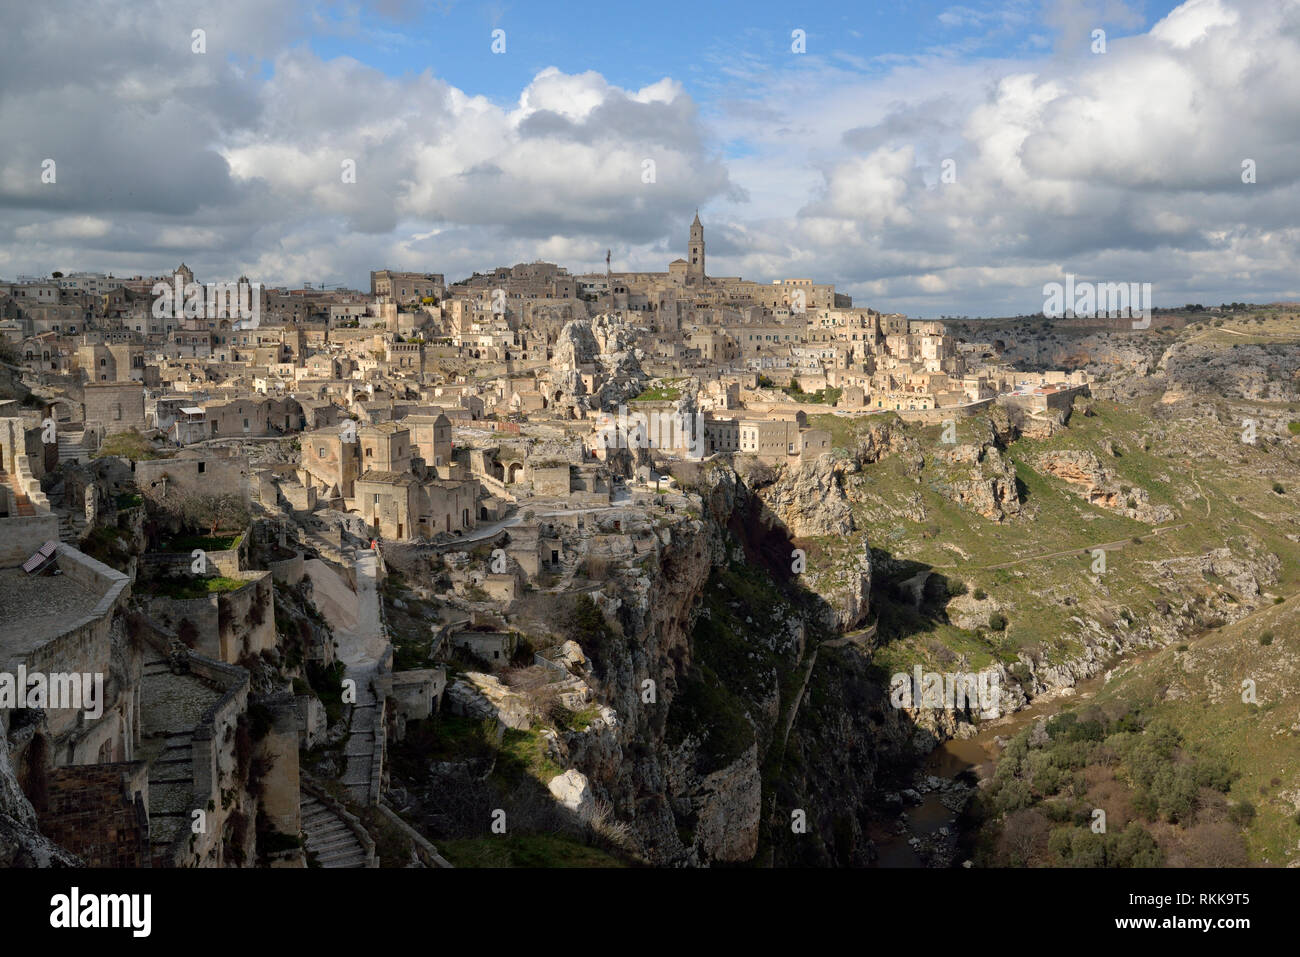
(211,512)
(1024,837)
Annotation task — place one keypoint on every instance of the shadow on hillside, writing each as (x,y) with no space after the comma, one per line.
(477,784)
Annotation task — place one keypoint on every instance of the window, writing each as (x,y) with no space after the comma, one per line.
(203,466)
(322,452)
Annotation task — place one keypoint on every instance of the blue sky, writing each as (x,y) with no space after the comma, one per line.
(634,44)
(1119,167)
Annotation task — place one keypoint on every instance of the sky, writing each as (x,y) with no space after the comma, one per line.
(927,158)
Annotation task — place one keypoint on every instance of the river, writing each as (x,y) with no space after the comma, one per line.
(932,818)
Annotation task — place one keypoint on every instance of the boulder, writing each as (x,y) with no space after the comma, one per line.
(572,790)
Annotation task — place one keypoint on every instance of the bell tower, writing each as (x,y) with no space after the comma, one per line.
(695,254)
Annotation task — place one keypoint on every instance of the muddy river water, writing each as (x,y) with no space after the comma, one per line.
(978,754)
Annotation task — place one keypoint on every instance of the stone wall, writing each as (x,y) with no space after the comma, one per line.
(99,813)
(230,624)
(21,537)
(118,407)
(85,646)
(280,795)
(227,562)
(289,570)
(939,416)
(207,472)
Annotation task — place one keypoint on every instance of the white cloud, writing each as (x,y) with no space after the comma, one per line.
(1192,21)
(1125,164)
(68,227)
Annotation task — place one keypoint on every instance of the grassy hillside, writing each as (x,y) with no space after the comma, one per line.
(1036,568)
(1186,772)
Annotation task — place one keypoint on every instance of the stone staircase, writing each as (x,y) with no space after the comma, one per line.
(72,528)
(328,837)
(72,446)
(22,504)
(171,776)
(364,740)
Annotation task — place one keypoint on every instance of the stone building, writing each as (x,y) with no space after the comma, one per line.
(115,406)
(399,505)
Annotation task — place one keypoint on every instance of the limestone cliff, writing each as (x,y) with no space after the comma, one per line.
(1098,485)
(21,844)
(708,736)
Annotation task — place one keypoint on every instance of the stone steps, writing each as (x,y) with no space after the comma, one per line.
(22,504)
(72,528)
(328,837)
(72,446)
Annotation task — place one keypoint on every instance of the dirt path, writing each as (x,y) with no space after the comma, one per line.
(1085,550)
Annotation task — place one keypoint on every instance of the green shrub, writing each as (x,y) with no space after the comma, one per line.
(1242,814)
(1134,847)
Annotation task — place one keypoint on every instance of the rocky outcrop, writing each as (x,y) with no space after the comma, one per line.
(572,791)
(21,844)
(484,697)
(1243,575)
(1098,485)
(693,698)
(1256,372)
(844,587)
(880,440)
(598,348)
(979,478)
(809,499)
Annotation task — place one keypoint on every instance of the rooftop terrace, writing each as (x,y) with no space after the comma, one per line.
(35,609)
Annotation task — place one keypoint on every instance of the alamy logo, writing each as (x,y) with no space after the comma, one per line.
(953,691)
(1115,300)
(57,691)
(74,909)
(217,300)
(653,430)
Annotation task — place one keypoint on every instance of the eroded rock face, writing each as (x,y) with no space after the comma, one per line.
(1098,352)
(1098,485)
(483,696)
(687,800)
(1242,574)
(725,805)
(597,348)
(809,499)
(879,441)
(1268,373)
(990,490)
(21,844)
(575,347)
(846,589)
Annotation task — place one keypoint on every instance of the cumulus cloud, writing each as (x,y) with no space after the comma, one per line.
(1121,166)
(1125,165)
(262,155)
